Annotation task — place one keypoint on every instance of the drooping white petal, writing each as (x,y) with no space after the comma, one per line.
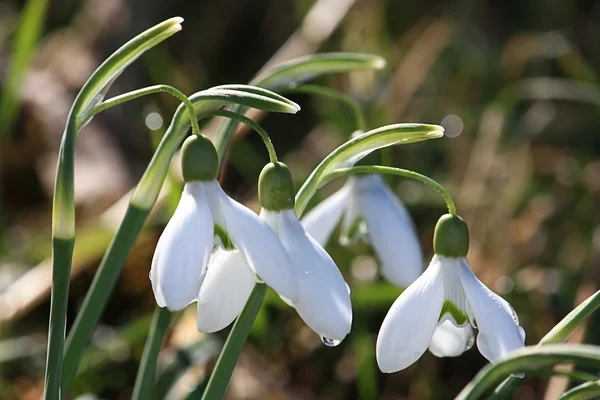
(225,290)
(391,231)
(259,245)
(324,302)
(450,340)
(183,251)
(499,332)
(321,220)
(411,321)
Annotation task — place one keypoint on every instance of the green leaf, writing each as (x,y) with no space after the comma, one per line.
(257,90)
(27,36)
(99,83)
(558,334)
(355,149)
(305,68)
(298,70)
(529,359)
(585,391)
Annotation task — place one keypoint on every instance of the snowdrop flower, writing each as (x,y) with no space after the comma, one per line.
(324,300)
(205,219)
(369,210)
(440,309)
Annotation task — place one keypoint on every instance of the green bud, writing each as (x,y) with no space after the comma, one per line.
(451,237)
(276,187)
(199,159)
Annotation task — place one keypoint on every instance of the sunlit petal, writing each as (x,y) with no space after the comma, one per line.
(450,341)
(390,230)
(321,220)
(183,251)
(411,321)
(324,302)
(499,332)
(224,292)
(260,246)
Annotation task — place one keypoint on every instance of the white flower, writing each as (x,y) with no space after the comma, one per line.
(447,292)
(204,219)
(324,301)
(371,211)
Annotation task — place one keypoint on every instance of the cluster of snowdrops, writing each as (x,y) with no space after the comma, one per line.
(221,255)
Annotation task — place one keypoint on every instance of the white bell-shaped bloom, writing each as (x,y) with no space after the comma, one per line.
(204,219)
(324,300)
(371,211)
(447,293)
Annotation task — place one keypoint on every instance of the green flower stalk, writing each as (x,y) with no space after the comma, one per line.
(63,210)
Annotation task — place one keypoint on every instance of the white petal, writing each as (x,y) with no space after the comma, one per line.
(224,292)
(499,333)
(259,245)
(183,251)
(391,231)
(411,321)
(450,340)
(321,220)
(324,302)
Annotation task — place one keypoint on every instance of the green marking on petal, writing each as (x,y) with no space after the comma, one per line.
(221,233)
(449,307)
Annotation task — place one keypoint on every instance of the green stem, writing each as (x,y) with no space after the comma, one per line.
(114,101)
(233,346)
(376,169)
(100,290)
(144,382)
(359,117)
(61,255)
(558,334)
(252,124)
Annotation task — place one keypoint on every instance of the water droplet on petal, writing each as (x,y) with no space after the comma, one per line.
(514,315)
(330,342)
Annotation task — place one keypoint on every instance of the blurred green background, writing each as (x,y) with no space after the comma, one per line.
(515,84)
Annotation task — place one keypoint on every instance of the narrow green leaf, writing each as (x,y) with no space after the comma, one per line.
(355,149)
(257,90)
(529,359)
(296,71)
(144,382)
(27,36)
(305,68)
(99,83)
(558,334)
(585,391)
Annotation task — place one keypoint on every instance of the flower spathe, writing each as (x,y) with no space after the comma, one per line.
(369,210)
(324,300)
(207,218)
(447,292)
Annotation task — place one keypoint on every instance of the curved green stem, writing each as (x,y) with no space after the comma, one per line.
(252,124)
(144,382)
(377,169)
(230,354)
(114,101)
(359,117)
